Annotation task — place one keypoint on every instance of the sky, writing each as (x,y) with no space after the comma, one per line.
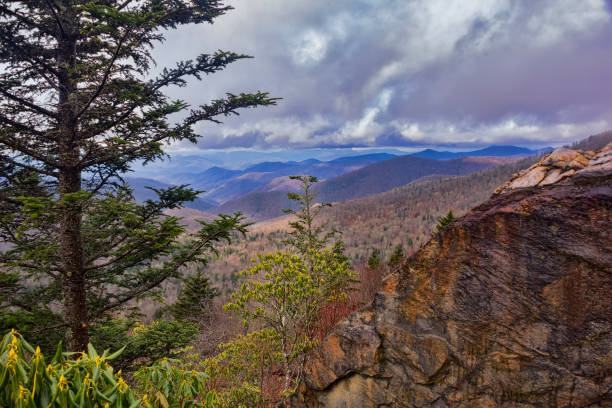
(404,73)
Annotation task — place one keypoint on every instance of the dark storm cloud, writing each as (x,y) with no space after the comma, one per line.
(402,72)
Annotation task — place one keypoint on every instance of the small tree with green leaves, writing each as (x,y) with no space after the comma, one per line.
(396,257)
(338,251)
(284,292)
(374,261)
(285,295)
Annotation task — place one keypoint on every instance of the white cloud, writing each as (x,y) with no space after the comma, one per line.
(562,18)
(366,129)
(515,130)
(433,29)
(279,132)
(310,49)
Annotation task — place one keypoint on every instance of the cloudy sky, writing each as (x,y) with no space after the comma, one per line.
(406,73)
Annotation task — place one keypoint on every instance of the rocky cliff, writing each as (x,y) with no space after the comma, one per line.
(510,306)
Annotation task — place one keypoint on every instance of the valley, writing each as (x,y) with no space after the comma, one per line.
(403,216)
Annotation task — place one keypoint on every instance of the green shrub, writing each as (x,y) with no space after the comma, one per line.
(166,384)
(445,221)
(26,380)
(242,371)
(144,344)
(88,381)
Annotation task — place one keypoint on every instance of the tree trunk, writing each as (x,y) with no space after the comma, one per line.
(71,253)
(70,236)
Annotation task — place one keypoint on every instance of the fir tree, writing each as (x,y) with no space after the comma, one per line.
(304,235)
(338,252)
(374,261)
(78,104)
(445,221)
(396,257)
(194,302)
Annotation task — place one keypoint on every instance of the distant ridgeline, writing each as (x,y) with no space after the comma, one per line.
(259,190)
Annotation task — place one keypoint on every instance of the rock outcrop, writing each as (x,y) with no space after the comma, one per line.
(510,306)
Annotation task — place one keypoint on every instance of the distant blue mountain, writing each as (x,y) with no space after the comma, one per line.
(215,175)
(223,184)
(499,151)
(266,167)
(375,157)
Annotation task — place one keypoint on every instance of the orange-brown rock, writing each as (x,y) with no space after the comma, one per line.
(510,306)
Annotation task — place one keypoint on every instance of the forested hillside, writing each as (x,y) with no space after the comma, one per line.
(594,142)
(402,216)
(396,172)
(226,184)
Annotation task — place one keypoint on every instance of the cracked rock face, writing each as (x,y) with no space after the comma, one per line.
(511,306)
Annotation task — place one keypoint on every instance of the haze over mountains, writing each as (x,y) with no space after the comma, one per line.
(221,184)
(259,190)
(372,179)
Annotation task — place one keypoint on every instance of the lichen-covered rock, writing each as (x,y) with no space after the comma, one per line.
(511,306)
(559,164)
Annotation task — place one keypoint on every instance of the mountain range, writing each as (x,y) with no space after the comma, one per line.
(259,189)
(504,151)
(221,184)
(368,180)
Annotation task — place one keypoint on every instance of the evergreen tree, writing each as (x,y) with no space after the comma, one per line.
(194,303)
(78,104)
(397,256)
(374,261)
(338,253)
(306,237)
(445,221)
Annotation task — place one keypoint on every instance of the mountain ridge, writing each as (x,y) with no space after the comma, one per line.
(375,178)
(493,150)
